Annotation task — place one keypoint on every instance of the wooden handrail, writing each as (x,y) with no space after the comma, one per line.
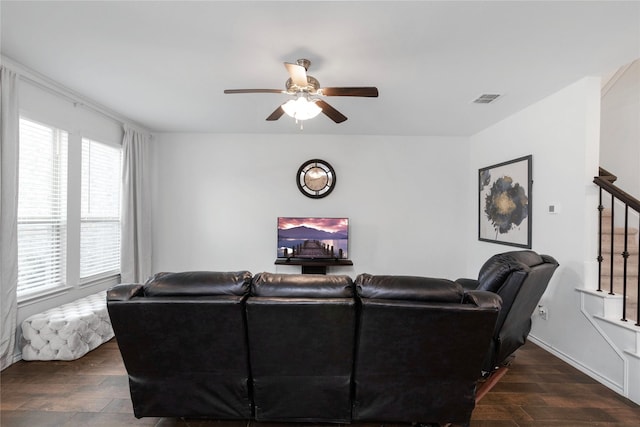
(606,179)
(605,174)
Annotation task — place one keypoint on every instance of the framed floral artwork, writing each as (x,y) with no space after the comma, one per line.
(504,203)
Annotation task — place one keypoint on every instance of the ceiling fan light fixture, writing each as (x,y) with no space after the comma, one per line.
(301,108)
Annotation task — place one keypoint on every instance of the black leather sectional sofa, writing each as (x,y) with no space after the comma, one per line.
(303,348)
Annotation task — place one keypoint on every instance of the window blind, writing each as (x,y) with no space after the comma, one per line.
(42,202)
(100,209)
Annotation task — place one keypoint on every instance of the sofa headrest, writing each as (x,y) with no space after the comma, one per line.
(495,271)
(301,286)
(199,283)
(412,288)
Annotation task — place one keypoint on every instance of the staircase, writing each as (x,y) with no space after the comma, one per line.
(632,247)
(613,353)
(612,310)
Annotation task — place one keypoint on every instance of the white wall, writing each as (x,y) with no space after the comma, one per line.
(562,133)
(216,199)
(620,130)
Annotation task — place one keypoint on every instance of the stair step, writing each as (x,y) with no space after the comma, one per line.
(618,244)
(632,284)
(606,229)
(633,247)
(632,293)
(618,229)
(618,265)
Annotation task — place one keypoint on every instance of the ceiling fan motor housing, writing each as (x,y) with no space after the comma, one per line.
(304,63)
(312,86)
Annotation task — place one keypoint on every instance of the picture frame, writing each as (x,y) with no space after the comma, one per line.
(504,202)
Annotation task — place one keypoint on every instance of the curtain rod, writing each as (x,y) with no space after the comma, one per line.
(55,88)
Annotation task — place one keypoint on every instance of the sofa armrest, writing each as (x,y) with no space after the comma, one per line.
(483,299)
(125,292)
(468,284)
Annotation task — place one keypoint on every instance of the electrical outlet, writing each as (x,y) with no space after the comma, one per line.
(542,311)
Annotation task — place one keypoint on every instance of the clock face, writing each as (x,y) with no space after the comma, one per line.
(316,178)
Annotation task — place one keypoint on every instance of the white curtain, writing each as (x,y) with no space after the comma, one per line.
(8,214)
(136,209)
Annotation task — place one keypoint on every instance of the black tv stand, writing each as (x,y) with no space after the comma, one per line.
(313,265)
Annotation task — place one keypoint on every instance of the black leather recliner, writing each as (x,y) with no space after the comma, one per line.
(520,278)
(301,334)
(183,341)
(420,346)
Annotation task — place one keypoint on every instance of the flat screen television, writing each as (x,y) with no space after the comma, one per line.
(313,238)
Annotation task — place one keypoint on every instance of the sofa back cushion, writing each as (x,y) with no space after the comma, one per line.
(410,288)
(198,283)
(301,286)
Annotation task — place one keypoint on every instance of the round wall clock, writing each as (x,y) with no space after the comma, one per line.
(316,178)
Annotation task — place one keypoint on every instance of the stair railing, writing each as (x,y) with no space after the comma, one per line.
(605,180)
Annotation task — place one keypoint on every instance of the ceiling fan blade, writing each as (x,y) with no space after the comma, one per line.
(298,74)
(371,92)
(331,112)
(254,91)
(277,113)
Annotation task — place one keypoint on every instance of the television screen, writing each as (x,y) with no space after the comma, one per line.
(315,238)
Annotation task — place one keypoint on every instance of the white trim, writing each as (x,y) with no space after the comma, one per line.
(625,363)
(579,366)
(109,279)
(42,296)
(628,325)
(44,82)
(614,78)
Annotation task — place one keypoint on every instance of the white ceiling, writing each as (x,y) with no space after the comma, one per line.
(165,64)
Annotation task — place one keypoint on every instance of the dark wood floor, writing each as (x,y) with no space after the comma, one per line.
(539,390)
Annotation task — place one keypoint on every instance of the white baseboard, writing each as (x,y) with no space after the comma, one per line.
(618,388)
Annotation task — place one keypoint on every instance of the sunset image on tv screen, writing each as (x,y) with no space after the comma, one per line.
(313,237)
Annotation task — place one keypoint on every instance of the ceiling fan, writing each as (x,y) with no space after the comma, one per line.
(307,92)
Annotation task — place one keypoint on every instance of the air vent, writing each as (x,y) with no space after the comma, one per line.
(486,98)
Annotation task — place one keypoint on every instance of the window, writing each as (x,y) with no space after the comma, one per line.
(68,232)
(100,210)
(42,201)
